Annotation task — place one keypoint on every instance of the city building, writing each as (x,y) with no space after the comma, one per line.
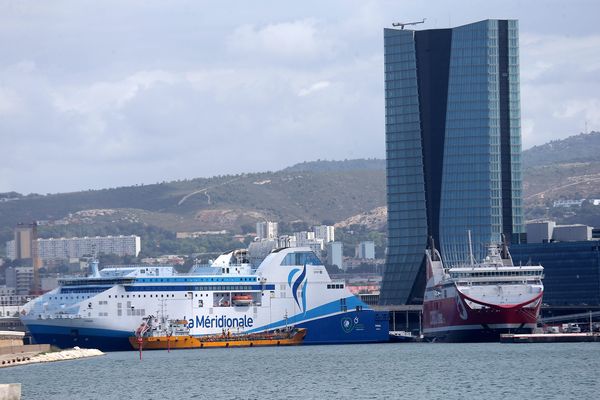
(572,233)
(25,235)
(540,232)
(11,252)
(365,250)
(571,270)
(325,232)
(65,248)
(266,230)
(571,261)
(334,254)
(309,239)
(568,203)
(548,231)
(20,279)
(453,145)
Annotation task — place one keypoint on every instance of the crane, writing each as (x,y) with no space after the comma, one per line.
(403,24)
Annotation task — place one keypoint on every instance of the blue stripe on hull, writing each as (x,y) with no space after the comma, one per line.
(351,327)
(67,337)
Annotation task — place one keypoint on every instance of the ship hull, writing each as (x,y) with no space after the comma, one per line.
(221,341)
(365,326)
(454,319)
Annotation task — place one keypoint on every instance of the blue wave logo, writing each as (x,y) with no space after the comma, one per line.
(301,279)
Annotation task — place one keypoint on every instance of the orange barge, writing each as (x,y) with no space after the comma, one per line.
(178,338)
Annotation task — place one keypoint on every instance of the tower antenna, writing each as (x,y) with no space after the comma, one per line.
(403,24)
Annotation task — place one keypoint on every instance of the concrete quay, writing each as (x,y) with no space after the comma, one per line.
(550,338)
(48,355)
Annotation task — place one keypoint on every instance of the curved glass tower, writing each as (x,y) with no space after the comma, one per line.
(453,146)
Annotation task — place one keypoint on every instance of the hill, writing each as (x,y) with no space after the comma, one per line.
(232,203)
(345,192)
(582,148)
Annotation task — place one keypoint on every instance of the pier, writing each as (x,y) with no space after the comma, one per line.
(550,338)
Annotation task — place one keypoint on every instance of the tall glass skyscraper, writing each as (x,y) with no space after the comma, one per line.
(453,144)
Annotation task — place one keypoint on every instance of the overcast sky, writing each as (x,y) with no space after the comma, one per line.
(98,94)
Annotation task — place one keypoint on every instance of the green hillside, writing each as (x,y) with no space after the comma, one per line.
(232,203)
(304,194)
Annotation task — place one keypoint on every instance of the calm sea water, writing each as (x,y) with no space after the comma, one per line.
(380,371)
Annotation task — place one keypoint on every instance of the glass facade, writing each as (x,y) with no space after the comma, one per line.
(407,221)
(571,270)
(471,191)
(452,145)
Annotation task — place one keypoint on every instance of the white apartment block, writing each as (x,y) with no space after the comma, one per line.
(65,248)
(11,251)
(365,250)
(266,230)
(307,239)
(325,232)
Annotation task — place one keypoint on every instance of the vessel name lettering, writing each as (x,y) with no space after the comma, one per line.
(220,322)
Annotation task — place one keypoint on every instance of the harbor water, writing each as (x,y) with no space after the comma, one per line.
(377,371)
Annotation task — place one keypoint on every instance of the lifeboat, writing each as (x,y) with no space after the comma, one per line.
(242,299)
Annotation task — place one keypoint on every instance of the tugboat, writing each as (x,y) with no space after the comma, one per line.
(477,302)
(153,334)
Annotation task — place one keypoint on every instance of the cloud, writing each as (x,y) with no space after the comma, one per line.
(560,86)
(287,40)
(315,87)
(192,90)
(100,96)
(9,101)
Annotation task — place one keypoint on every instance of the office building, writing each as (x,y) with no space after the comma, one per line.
(365,250)
(266,230)
(453,146)
(571,270)
(334,254)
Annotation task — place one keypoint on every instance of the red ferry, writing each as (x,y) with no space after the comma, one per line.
(477,302)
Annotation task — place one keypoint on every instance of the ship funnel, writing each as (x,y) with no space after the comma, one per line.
(94,271)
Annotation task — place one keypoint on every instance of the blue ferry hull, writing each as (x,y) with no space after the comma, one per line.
(351,327)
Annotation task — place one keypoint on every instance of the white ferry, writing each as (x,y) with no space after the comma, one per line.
(478,302)
(290,287)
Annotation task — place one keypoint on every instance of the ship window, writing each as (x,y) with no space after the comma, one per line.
(301,258)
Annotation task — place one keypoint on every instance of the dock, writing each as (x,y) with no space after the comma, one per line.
(550,338)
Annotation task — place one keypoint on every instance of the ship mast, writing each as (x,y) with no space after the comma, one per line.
(471,260)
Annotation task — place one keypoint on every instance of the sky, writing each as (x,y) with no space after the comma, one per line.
(99,94)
